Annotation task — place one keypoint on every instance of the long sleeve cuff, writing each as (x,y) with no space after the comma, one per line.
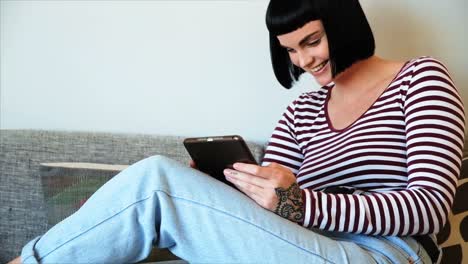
(310,210)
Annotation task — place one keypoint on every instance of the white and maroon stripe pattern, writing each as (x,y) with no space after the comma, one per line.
(404,151)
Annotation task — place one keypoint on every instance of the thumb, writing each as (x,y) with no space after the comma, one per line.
(274,165)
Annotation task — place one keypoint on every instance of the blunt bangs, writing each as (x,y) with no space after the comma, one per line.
(282,17)
(349,35)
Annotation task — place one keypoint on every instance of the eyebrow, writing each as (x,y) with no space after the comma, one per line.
(305,39)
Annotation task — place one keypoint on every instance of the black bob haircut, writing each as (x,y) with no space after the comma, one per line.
(349,35)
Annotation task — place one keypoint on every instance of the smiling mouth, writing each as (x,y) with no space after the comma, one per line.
(319,67)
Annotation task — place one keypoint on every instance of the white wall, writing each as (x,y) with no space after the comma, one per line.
(187,68)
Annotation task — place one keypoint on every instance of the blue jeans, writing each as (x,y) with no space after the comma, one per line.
(159,202)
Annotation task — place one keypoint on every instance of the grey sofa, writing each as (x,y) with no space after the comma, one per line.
(23,213)
(22,208)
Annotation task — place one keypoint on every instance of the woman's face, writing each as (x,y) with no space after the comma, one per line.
(308,49)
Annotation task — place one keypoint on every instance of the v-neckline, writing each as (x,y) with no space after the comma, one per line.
(330,88)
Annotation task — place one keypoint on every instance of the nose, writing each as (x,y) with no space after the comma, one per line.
(304,59)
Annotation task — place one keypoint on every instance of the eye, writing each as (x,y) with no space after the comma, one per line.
(290,50)
(314,43)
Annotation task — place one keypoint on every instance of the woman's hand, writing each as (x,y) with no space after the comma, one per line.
(193,165)
(273,187)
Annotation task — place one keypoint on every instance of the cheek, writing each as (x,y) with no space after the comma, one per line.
(293,59)
(325,51)
(324,47)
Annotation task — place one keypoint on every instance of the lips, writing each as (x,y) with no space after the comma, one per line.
(319,67)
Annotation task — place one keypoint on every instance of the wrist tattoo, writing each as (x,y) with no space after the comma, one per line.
(290,205)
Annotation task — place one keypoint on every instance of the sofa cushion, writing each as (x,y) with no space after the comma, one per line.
(453,238)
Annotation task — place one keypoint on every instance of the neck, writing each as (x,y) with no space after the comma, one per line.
(360,78)
(358,73)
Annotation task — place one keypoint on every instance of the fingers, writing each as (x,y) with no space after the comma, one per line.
(237,176)
(253,169)
(247,187)
(260,195)
(192,164)
(273,171)
(264,197)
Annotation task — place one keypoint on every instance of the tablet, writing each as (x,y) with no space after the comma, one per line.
(214,154)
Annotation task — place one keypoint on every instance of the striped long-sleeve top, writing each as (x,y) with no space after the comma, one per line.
(404,153)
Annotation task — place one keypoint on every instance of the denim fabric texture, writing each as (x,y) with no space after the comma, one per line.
(160,202)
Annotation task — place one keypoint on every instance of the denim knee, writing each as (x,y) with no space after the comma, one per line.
(157,162)
(154,167)
(158,159)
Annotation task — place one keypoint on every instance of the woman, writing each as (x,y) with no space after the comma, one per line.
(368,164)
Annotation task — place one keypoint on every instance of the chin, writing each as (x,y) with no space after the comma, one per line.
(323,78)
(324,81)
